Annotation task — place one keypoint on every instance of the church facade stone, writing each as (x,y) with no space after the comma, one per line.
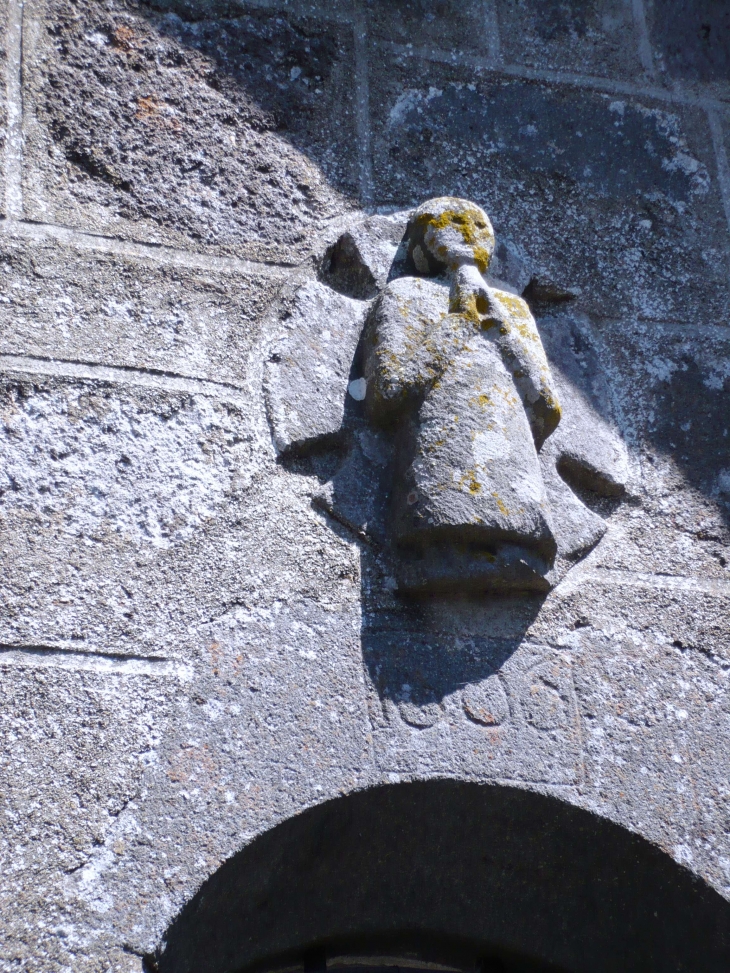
(210,663)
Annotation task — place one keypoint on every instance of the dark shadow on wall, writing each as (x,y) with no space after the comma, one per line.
(456,873)
(700,51)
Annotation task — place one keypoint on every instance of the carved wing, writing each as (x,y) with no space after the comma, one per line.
(586,450)
(309,367)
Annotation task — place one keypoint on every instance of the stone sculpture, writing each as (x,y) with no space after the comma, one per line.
(449,468)
(457,370)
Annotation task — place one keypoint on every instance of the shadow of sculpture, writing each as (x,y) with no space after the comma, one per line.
(456,625)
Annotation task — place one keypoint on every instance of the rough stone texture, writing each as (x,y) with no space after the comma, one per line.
(194,649)
(154,122)
(4,118)
(429,23)
(110,309)
(75,748)
(97,483)
(593,37)
(690,42)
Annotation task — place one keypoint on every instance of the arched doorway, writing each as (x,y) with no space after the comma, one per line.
(451,876)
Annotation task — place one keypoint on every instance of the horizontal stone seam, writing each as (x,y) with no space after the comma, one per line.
(667,582)
(171,256)
(567,78)
(648,325)
(62,656)
(120,375)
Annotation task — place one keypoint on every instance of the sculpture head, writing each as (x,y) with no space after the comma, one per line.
(447,233)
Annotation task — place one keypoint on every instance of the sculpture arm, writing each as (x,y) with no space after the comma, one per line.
(398,352)
(516,334)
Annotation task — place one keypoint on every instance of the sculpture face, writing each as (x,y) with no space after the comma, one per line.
(447,233)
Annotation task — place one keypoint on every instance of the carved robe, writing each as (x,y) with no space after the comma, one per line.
(469,398)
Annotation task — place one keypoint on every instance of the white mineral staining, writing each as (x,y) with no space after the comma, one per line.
(358,389)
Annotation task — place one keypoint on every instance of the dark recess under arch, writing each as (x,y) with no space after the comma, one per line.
(452,872)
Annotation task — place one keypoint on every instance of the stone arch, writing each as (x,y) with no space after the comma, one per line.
(454,873)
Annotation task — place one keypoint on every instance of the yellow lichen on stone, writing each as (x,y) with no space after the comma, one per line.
(466,309)
(469,481)
(481,400)
(469,222)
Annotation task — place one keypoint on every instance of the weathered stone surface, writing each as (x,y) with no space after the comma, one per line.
(276,710)
(430,23)
(609,195)
(199,639)
(690,40)
(84,306)
(670,393)
(678,408)
(683,613)
(486,702)
(529,731)
(662,735)
(97,482)
(70,451)
(593,37)
(171,124)
(75,749)
(4,118)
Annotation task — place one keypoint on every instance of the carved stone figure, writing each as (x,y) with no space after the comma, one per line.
(457,371)
(455,464)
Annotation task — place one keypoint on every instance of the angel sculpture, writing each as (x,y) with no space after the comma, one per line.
(458,370)
(450,467)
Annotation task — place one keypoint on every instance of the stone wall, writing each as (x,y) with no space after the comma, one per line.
(191,650)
